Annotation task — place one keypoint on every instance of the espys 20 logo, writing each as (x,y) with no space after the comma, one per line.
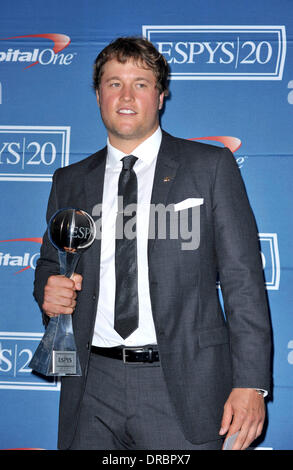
(33,153)
(16,352)
(221,52)
(38,55)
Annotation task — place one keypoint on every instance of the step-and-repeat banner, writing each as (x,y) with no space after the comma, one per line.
(231,84)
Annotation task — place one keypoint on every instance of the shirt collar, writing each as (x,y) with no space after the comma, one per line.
(147,151)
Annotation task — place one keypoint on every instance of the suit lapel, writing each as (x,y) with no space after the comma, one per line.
(165,173)
(94,184)
(94,180)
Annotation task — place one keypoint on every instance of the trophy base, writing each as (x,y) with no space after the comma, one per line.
(56,354)
(58,363)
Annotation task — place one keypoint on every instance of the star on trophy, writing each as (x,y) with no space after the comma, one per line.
(71,231)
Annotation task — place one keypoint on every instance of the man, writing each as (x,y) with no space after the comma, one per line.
(179,374)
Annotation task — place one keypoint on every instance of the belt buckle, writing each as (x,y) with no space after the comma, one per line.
(124,355)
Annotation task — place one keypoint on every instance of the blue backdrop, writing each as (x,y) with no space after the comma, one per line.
(231,83)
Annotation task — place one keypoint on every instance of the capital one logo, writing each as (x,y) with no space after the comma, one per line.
(33,153)
(221,52)
(18,261)
(38,55)
(232,143)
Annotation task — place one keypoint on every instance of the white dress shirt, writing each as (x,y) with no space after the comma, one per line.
(104,333)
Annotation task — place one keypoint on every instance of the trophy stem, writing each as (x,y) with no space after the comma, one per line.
(68,262)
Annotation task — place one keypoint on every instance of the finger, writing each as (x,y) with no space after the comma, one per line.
(246,436)
(226,419)
(241,439)
(77,278)
(235,427)
(58,287)
(250,429)
(250,437)
(59,296)
(241,427)
(52,309)
(60,281)
(259,428)
(63,301)
(59,293)
(58,305)
(253,432)
(50,314)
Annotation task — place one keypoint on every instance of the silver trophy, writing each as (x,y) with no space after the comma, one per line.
(71,231)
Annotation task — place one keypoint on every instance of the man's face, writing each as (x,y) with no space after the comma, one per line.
(129,102)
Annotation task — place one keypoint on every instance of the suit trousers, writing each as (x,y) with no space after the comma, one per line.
(127,407)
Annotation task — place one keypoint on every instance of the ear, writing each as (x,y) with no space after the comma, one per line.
(98,97)
(161,100)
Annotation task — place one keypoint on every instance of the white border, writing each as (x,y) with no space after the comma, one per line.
(65,133)
(272,238)
(277,75)
(22,385)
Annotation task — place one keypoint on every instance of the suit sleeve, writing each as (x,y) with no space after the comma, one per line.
(241,277)
(48,262)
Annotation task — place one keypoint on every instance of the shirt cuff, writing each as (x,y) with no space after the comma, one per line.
(262,392)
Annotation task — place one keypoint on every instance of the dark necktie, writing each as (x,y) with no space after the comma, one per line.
(126,298)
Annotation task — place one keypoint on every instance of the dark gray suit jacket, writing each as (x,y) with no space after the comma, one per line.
(204,353)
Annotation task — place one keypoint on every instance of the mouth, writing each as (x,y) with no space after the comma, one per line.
(126,112)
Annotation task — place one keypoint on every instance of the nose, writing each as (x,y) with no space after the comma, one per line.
(127,93)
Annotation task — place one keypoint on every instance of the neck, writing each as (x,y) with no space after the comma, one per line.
(125,147)
(128,145)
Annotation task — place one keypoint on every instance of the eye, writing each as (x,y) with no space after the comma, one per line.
(114,84)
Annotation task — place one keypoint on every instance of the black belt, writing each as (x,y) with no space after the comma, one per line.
(136,354)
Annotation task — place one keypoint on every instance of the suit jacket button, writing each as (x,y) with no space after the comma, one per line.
(94,297)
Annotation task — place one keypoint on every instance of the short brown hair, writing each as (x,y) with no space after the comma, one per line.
(141,51)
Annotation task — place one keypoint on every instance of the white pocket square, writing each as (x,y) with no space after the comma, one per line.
(190,202)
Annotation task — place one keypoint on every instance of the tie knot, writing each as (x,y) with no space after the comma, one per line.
(128,162)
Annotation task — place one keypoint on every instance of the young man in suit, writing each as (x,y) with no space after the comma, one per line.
(163,367)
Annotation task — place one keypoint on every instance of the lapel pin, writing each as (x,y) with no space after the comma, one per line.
(167,179)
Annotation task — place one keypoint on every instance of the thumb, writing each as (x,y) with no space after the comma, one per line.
(77,278)
(226,419)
